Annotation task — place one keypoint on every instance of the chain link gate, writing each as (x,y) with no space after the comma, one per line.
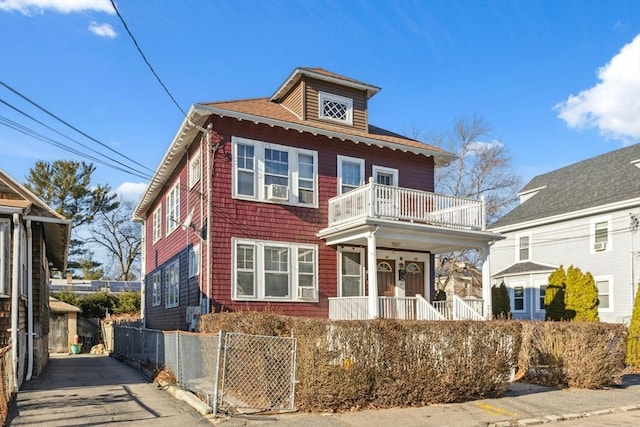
(255,374)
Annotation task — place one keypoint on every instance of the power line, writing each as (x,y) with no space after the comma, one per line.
(135,42)
(35,104)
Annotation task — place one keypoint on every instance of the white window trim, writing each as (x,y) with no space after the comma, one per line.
(322,96)
(539,283)
(194,260)
(259,271)
(386,170)
(156,285)
(157,224)
(512,295)
(175,303)
(592,234)
(173,221)
(195,178)
(517,245)
(361,251)
(259,172)
(341,160)
(607,278)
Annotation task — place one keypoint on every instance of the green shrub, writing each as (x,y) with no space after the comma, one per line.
(581,297)
(554,295)
(500,302)
(633,341)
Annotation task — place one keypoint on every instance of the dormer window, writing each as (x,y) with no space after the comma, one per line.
(337,108)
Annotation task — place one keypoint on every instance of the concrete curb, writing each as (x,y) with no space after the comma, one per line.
(565,417)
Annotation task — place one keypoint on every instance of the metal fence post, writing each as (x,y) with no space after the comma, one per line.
(217,374)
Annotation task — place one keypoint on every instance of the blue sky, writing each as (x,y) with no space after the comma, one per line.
(558,81)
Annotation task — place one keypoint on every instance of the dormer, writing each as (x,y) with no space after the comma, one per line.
(317,95)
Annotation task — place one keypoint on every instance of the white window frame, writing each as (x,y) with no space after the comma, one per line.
(341,251)
(512,295)
(605,278)
(592,234)
(539,302)
(194,260)
(518,237)
(156,289)
(259,270)
(5,256)
(173,208)
(345,159)
(157,224)
(325,96)
(294,177)
(172,293)
(387,171)
(195,170)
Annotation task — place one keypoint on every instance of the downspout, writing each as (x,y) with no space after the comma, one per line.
(29,300)
(210,161)
(15,290)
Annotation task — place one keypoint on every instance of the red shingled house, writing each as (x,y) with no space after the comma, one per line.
(295,202)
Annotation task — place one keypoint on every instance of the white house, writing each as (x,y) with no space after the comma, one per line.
(586,214)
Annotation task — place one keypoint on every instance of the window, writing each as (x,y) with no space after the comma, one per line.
(350,173)
(274,271)
(351,273)
(523,248)
(601,232)
(157,224)
(518,298)
(336,108)
(173,208)
(172,281)
(195,170)
(601,235)
(274,173)
(5,255)
(194,261)
(604,293)
(385,176)
(156,289)
(542,291)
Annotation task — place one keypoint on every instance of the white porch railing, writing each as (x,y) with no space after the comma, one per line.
(383,201)
(407,308)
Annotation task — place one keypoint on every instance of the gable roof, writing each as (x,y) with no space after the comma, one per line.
(606,179)
(16,198)
(322,74)
(524,267)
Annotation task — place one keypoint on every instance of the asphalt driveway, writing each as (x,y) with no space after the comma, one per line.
(93,390)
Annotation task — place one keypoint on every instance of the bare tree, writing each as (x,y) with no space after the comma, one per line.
(483,169)
(121,237)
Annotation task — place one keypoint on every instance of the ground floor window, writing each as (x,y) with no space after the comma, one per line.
(266,270)
(604,293)
(156,289)
(518,298)
(172,282)
(351,272)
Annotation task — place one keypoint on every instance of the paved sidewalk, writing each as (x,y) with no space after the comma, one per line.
(91,390)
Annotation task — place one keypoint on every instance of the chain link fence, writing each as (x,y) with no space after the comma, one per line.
(232,372)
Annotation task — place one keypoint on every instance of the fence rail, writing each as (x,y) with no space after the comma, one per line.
(231,371)
(7,386)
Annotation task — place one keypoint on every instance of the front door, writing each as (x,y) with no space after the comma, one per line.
(414,278)
(386,277)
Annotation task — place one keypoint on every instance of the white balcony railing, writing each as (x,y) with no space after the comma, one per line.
(383,201)
(405,308)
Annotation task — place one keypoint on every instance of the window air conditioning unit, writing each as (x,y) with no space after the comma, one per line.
(306,293)
(599,246)
(193,315)
(277,192)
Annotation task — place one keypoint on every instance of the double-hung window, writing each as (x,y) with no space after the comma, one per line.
(195,170)
(351,273)
(194,261)
(265,270)
(350,173)
(518,298)
(542,291)
(604,292)
(601,234)
(173,208)
(172,281)
(523,247)
(156,287)
(275,173)
(157,224)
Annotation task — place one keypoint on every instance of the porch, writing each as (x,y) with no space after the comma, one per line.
(406,308)
(388,229)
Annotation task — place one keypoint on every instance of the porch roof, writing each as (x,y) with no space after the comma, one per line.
(404,235)
(524,267)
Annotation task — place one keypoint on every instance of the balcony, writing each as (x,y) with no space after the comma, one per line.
(403,204)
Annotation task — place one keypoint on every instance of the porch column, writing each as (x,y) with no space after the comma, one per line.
(372,275)
(486,281)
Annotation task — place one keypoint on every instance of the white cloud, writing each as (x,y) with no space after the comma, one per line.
(27,7)
(479,146)
(613,105)
(131,191)
(102,30)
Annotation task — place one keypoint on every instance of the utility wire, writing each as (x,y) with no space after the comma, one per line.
(137,172)
(71,126)
(135,42)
